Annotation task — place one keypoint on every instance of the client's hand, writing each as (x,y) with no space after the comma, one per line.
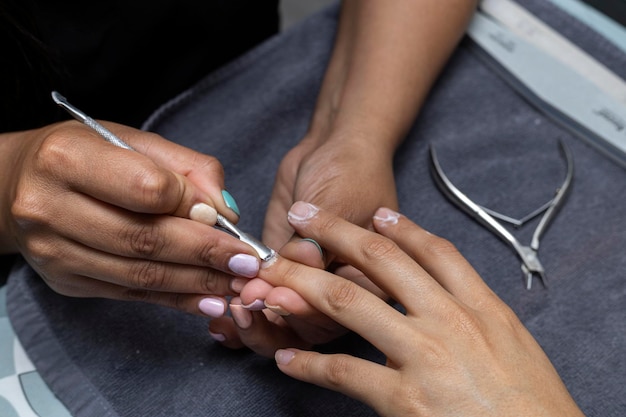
(459,350)
(349,179)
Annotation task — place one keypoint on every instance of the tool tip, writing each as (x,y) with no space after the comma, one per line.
(58,98)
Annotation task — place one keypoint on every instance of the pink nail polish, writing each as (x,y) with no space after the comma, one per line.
(218,337)
(212,307)
(283,356)
(242,317)
(244,265)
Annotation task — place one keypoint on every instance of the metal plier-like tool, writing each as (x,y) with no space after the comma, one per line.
(528,254)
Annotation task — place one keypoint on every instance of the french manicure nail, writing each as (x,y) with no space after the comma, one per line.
(217,336)
(301,212)
(278,310)
(283,356)
(244,265)
(230,202)
(242,317)
(256,305)
(203,213)
(212,307)
(387,216)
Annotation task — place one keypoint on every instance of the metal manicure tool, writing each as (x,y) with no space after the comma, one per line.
(530,261)
(264,252)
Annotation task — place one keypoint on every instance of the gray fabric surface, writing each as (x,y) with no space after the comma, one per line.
(105,358)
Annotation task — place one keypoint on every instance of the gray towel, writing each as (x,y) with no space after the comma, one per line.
(107,358)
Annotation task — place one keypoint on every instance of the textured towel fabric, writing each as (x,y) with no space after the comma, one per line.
(106,358)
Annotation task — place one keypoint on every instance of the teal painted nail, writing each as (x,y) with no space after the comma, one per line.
(230,202)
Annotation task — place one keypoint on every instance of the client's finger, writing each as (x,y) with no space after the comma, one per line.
(345,302)
(378,257)
(366,381)
(437,256)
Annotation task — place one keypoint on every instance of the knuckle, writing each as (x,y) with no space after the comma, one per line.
(25,210)
(148,275)
(210,282)
(208,253)
(506,317)
(144,240)
(52,154)
(326,224)
(337,371)
(28,208)
(213,164)
(179,302)
(409,399)
(466,322)
(377,248)
(341,295)
(436,246)
(153,186)
(41,252)
(289,272)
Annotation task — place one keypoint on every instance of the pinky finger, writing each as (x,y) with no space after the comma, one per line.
(368,382)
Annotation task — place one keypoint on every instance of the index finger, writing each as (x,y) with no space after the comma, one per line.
(204,171)
(87,164)
(343,301)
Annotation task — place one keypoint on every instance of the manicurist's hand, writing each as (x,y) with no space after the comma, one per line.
(458,351)
(95,220)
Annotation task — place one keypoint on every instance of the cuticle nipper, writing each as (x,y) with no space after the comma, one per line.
(528,254)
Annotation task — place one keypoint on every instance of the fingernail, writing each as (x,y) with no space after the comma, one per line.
(256,305)
(301,212)
(278,310)
(271,261)
(213,307)
(283,356)
(230,202)
(319,248)
(244,265)
(237,284)
(387,216)
(203,213)
(217,336)
(242,317)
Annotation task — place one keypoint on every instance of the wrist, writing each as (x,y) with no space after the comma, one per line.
(362,139)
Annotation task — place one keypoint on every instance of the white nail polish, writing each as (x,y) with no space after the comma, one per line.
(203,213)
